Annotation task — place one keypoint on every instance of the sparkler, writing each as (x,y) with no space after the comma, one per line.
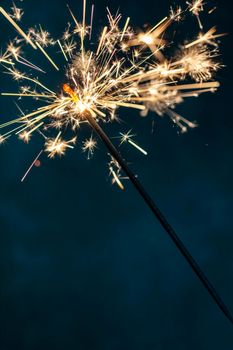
(128,69)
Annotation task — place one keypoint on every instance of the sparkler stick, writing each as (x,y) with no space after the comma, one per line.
(161,218)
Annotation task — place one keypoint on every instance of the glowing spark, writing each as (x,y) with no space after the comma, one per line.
(115,172)
(84,14)
(176,14)
(5,58)
(92,16)
(206,38)
(13,50)
(89,146)
(3,139)
(128,138)
(181,121)
(196,6)
(62,50)
(17,12)
(125,27)
(41,36)
(58,146)
(67,89)
(25,136)
(70,47)
(102,40)
(15,25)
(198,63)
(212,10)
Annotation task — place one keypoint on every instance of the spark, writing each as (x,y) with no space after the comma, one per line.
(3,139)
(6,59)
(198,63)
(69,47)
(103,36)
(181,121)
(127,137)
(25,136)
(153,38)
(176,14)
(125,27)
(206,38)
(62,50)
(58,146)
(13,50)
(41,36)
(196,6)
(91,25)
(17,13)
(212,10)
(115,173)
(89,146)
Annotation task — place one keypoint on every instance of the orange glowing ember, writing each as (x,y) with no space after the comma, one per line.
(69,91)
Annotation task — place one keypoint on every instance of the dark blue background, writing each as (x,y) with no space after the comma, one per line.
(86,266)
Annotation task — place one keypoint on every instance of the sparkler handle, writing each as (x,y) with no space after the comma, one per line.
(161,218)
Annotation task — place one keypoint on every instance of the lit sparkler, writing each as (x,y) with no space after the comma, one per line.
(127,69)
(121,72)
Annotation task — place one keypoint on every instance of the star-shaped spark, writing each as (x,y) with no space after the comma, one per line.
(127,138)
(89,146)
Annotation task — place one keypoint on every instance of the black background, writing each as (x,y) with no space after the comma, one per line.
(86,266)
